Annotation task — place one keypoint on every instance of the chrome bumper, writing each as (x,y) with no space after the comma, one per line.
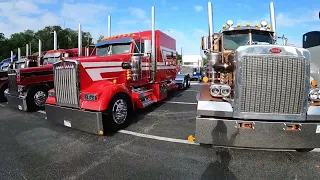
(215,125)
(87,121)
(19,102)
(222,132)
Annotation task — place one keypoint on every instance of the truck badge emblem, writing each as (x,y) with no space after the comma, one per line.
(275,50)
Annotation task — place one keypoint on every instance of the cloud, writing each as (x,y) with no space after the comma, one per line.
(85,13)
(198,8)
(17,16)
(139,16)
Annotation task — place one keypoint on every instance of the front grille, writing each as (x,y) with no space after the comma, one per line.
(66,85)
(13,84)
(272,84)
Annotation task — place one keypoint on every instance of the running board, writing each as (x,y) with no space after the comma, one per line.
(147,102)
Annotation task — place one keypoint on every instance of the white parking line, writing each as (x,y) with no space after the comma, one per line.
(189,90)
(2,105)
(42,112)
(157,137)
(175,102)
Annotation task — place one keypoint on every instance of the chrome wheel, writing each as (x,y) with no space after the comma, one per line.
(119,111)
(40,98)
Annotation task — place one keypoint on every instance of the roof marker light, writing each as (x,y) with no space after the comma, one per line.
(229,23)
(264,23)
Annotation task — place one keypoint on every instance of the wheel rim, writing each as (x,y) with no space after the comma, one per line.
(40,98)
(120,111)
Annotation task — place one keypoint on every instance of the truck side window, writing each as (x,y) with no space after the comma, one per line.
(136,50)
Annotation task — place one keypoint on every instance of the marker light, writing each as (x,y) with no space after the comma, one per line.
(264,23)
(239,24)
(229,23)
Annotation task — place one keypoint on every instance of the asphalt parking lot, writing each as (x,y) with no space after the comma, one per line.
(154,146)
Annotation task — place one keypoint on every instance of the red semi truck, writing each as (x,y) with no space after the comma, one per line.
(28,87)
(130,71)
(23,62)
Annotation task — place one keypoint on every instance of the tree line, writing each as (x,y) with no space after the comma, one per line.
(67,38)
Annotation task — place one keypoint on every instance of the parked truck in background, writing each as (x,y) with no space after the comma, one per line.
(28,87)
(260,95)
(21,62)
(130,71)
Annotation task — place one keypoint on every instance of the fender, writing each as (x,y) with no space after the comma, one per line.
(105,91)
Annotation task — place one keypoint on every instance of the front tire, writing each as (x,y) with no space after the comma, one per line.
(118,114)
(36,98)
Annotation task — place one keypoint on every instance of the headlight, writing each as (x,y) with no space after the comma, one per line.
(218,90)
(194,73)
(90,97)
(314,94)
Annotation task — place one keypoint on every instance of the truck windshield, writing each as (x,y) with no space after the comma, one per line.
(112,49)
(50,58)
(232,40)
(260,36)
(21,65)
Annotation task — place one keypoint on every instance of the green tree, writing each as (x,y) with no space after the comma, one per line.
(67,38)
(100,38)
(204,61)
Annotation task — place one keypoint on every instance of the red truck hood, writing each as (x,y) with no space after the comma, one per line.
(120,57)
(36,69)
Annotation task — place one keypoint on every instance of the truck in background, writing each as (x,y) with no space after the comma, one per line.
(100,93)
(21,62)
(28,87)
(260,95)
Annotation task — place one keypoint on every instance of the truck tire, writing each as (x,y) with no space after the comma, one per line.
(118,114)
(36,98)
(304,150)
(2,89)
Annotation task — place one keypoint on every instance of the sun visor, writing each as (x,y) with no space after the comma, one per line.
(114,41)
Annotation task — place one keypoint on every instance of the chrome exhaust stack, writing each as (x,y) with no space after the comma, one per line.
(79,40)
(39,52)
(55,41)
(153,45)
(27,50)
(109,25)
(273,20)
(19,53)
(11,57)
(210,21)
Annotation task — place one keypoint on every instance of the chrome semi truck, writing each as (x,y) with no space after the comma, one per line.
(258,93)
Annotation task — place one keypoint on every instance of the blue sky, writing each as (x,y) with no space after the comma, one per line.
(185,20)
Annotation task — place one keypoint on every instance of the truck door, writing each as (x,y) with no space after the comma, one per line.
(145,63)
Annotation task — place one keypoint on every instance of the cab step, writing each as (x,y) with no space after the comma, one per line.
(147,102)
